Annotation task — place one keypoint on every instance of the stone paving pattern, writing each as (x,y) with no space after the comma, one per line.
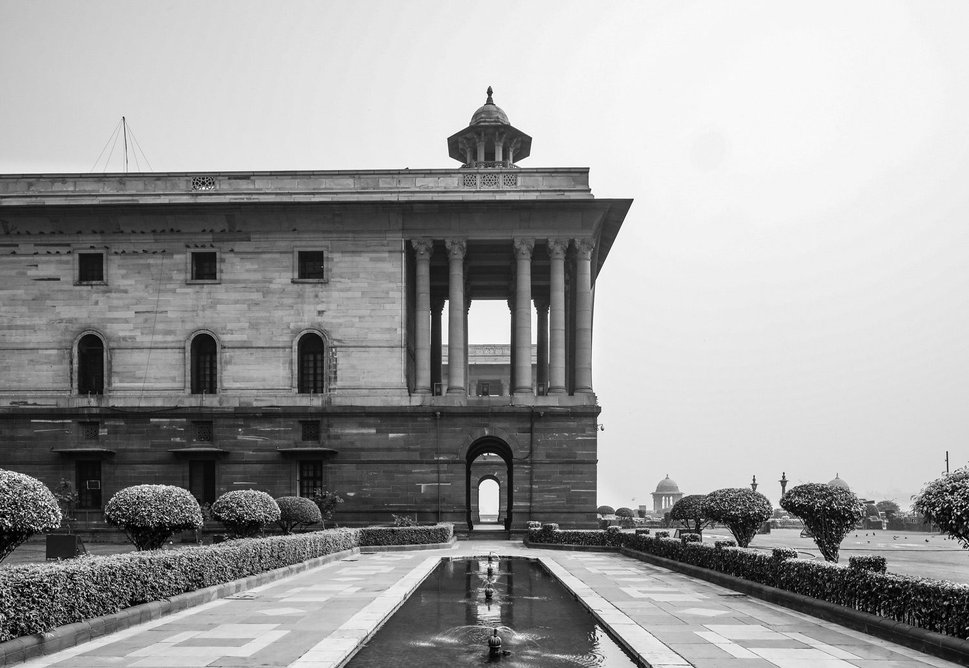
(314,619)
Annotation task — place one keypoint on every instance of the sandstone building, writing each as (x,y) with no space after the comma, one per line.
(283,331)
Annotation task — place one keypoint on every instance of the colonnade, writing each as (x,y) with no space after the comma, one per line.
(552,318)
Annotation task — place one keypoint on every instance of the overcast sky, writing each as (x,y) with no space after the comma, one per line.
(790,290)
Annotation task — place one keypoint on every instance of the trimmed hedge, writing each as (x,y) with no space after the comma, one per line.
(419,535)
(933,605)
(35,598)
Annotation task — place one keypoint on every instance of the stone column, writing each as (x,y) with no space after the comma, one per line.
(437,306)
(523,315)
(556,358)
(511,344)
(583,315)
(542,371)
(467,348)
(422,250)
(455,331)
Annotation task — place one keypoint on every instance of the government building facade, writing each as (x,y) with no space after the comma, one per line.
(284,331)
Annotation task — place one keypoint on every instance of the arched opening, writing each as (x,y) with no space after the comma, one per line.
(488,495)
(90,365)
(491,459)
(310,364)
(205,365)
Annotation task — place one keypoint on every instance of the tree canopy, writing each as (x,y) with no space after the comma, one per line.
(945,502)
(689,511)
(829,513)
(606,510)
(741,509)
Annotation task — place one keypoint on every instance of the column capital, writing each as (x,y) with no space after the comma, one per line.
(424,248)
(541,304)
(523,248)
(456,248)
(437,305)
(557,248)
(584,248)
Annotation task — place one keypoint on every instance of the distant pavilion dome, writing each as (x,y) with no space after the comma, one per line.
(490,113)
(667,486)
(838,482)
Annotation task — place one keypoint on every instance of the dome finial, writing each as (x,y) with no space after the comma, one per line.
(490,93)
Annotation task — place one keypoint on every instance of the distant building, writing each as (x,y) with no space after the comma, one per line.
(838,482)
(667,493)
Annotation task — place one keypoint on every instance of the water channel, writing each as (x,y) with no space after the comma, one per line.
(451,618)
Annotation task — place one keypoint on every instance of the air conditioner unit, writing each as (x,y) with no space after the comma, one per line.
(92,484)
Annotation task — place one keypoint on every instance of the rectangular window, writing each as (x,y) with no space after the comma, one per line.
(201,480)
(87,480)
(204,265)
(90,267)
(310,430)
(310,265)
(90,431)
(310,477)
(203,431)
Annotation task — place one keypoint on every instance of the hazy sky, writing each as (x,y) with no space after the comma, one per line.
(790,290)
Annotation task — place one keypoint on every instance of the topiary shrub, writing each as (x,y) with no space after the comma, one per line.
(26,507)
(740,509)
(868,562)
(606,510)
(244,512)
(662,534)
(829,513)
(689,511)
(945,501)
(624,512)
(642,532)
(295,511)
(688,537)
(720,544)
(150,514)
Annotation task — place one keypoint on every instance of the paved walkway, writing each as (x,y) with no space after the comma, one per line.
(314,619)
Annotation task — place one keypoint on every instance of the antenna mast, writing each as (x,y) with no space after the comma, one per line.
(124,126)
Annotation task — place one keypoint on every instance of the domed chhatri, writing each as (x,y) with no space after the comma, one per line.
(490,113)
(490,141)
(838,482)
(667,493)
(667,486)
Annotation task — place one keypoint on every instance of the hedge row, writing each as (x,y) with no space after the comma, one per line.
(935,605)
(35,598)
(417,535)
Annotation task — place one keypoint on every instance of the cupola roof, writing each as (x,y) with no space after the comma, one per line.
(489,113)
(667,486)
(838,482)
(489,141)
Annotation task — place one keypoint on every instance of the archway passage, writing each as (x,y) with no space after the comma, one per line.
(480,448)
(486,499)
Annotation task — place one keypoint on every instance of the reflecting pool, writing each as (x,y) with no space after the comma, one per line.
(451,617)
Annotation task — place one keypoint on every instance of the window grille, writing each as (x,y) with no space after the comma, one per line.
(311,365)
(203,431)
(310,430)
(310,477)
(470,180)
(489,180)
(205,265)
(310,265)
(509,180)
(204,365)
(90,365)
(90,431)
(90,267)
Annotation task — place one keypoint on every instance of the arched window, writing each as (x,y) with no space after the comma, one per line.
(311,364)
(90,365)
(205,365)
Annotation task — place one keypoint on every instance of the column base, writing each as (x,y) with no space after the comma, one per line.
(556,390)
(456,390)
(584,390)
(524,392)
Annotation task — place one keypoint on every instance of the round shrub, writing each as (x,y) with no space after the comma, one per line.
(606,510)
(244,512)
(624,512)
(689,511)
(150,514)
(945,502)
(742,511)
(26,507)
(829,513)
(296,511)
